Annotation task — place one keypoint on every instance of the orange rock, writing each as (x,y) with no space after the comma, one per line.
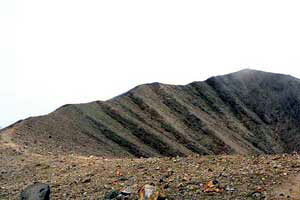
(118,171)
(259,189)
(114,182)
(212,186)
(148,192)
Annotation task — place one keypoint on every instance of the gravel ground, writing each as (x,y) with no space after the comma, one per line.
(193,177)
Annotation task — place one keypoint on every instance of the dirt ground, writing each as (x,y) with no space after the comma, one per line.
(193,177)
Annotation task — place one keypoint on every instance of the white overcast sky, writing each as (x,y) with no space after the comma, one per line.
(75,51)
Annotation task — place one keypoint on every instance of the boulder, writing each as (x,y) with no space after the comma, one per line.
(36,191)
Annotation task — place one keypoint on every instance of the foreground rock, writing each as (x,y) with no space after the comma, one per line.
(37,191)
(148,192)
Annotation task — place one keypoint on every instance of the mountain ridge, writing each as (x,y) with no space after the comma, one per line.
(248,111)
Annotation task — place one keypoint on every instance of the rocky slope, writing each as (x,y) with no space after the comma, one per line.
(244,112)
(94,178)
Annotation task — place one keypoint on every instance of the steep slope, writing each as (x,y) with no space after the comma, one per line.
(244,112)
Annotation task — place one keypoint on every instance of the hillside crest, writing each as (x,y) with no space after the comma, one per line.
(245,112)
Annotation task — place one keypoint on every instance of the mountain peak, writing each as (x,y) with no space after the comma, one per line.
(248,111)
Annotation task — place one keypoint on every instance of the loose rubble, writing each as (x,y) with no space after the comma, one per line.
(194,177)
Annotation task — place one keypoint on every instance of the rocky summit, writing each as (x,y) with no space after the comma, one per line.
(247,112)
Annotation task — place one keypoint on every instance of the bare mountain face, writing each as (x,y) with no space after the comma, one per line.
(244,112)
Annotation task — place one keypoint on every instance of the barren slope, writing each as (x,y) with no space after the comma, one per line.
(244,112)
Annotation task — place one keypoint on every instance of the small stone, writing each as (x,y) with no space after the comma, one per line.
(118,171)
(107,186)
(212,186)
(87,180)
(259,189)
(185,178)
(111,195)
(37,191)
(161,179)
(127,191)
(123,178)
(131,180)
(166,186)
(257,195)
(148,192)
(229,188)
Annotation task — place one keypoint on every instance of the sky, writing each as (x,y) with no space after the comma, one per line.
(72,51)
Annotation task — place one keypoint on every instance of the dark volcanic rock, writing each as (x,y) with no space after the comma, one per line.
(37,191)
(112,195)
